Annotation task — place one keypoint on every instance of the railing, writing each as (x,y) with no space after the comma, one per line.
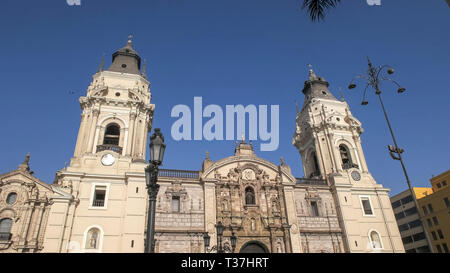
(178,173)
(349,165)
(5,236)
(98,203)
(311,181)
(110,147)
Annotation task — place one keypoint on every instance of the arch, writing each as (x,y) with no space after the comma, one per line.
(254,247)
(352,149)
(250,196)
(5,226)
(93,239)
(11,198)
(375,239)
(346,157)
(112,134)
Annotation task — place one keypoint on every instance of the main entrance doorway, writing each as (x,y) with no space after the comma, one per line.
(254,247)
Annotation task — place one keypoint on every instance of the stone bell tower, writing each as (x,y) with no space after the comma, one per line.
(328,138)
(116,111)
(104,184)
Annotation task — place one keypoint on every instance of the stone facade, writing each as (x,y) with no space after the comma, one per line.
(99,202)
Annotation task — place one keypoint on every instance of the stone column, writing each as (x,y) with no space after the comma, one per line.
(81,131)
(360,154)
(130,134)
(94,120)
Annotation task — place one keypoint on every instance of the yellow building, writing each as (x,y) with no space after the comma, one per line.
(435,212)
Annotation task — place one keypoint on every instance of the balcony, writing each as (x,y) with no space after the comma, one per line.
(5,236)
(349,165)
(178,173)
(311,181)
(109,147)
(98,203)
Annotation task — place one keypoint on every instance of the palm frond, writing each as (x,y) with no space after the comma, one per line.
(317,8)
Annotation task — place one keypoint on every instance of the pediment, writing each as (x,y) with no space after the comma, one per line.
(247,168)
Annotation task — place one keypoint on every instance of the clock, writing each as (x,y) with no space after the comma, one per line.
(108,159)
(356,176)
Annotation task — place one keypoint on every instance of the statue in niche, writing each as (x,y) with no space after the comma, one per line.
(279,250)
(274,206)
(249,196)
(225,205)
(252,224)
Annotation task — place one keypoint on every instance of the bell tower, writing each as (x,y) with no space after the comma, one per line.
(327,137)
(104,209)
(116,112)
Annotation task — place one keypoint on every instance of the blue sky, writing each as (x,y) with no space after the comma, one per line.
(228,52)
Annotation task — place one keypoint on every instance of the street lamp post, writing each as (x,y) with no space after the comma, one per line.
(373,78)
(219,247)
(157,148)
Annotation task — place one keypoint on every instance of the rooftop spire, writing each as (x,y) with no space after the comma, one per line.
(126,59)
(102,64)
(316,87)
(25,164)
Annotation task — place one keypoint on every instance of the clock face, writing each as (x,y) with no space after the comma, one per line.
(356,176)
(108,159)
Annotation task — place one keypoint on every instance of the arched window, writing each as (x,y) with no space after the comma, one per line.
(345,154)
(112,134)
(5,229)
(249,196)
(375,240)
(93,239)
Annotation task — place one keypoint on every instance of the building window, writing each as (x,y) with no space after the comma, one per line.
(445,247)
(406,200)
(403,227)
(411,211)
(315,166)
(414,224)
(112,134)
(430,208)
(175,204)
(375,240)
(429,222)
(435,221)
(250,196)
(407,240)
(447,202)
(439,249)
(396,204)
(444,183)
(425,211)
(441,236)
(5,229)
(434,235)
(400,215)
(314,209)
(367,207)
(93,239)
(419,236)
(99,196)
(439,185)
(423,249)
(11,198)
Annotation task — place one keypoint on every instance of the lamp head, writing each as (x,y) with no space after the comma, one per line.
(401,90)
(351,86)
(364,102)
(390,71)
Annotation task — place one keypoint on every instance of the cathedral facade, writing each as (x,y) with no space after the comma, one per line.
(99,203)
